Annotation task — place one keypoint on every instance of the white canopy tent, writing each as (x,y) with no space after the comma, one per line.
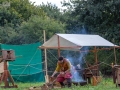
(75,42)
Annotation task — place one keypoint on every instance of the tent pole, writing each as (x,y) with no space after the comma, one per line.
(95,53)
(46,73)
(58,46)
(96,60)
(115,55)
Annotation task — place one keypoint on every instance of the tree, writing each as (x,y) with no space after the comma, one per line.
(26,9)
(33,29)
(7,33)
(9,17)
(51,10)
(12,16)
(97,16)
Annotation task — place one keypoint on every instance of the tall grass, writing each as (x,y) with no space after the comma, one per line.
(106,84)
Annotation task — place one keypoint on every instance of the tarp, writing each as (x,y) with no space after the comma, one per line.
(28,63)
(75,41)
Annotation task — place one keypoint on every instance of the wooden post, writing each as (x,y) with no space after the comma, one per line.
(96,60)
(115,56)
(46,73)
(6,74)
(58,46)
(95,53)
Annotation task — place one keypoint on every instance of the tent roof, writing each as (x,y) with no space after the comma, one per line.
(76,41)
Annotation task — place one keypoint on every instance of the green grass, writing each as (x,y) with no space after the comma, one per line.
(106,84)
(22,86)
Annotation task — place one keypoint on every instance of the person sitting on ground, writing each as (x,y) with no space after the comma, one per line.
(63,67)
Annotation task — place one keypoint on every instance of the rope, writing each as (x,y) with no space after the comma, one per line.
(27,65)
(37,63)
(52,54)
(35,68)
(51,61)
(16,65)
(17,68)
(24,67)
(28,74)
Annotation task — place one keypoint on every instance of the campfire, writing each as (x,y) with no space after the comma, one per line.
(47,86)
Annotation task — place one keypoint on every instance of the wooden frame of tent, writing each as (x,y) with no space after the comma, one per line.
(73,47)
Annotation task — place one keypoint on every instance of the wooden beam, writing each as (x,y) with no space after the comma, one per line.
(58,46)
(6,74)
(45,52)
(42,47)
(115,56)
(95,54)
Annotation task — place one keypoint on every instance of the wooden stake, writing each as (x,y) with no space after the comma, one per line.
(46,76)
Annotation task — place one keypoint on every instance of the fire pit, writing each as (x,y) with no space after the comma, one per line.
(80,83)
(83,83)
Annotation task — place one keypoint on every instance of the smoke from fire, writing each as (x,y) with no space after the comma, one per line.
(77,68)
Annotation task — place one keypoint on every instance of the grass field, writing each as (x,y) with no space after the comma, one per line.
(106,84)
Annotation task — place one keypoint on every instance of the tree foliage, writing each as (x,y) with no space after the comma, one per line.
(26,20)
(26,9)
(97,16)
(33,29)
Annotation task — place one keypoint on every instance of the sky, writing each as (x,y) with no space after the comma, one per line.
(56,2)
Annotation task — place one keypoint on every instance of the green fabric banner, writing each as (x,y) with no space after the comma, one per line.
(27,66)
